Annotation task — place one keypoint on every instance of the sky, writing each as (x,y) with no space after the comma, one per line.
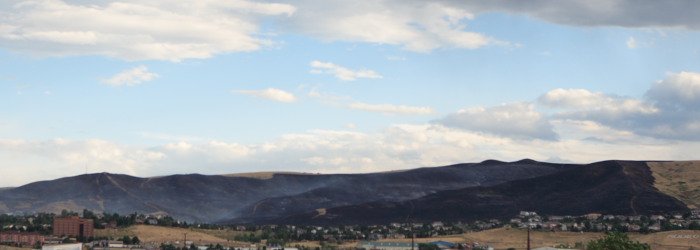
(160,87)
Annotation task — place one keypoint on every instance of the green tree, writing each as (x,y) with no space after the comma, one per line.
(616,241)
(126,240)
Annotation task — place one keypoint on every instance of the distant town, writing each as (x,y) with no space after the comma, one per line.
(73,231)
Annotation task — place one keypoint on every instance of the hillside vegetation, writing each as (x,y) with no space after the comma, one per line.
(680,179)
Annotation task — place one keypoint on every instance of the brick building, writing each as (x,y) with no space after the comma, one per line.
(21,239)
(73,226)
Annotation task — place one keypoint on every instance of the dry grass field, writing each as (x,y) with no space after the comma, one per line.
(171,235)
(264,175)
(680,179)
(2,247)
(670,240)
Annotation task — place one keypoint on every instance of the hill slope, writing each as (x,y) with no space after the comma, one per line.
(217,198)
(611,187)
(680,179)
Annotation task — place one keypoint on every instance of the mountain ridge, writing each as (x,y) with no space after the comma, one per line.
(291,197)
(605,193)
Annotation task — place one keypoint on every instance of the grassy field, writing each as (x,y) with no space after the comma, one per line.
(2,247)
(501,238)
(680,179)
(171,235)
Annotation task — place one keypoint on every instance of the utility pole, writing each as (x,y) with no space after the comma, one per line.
(528,236)
(413,238)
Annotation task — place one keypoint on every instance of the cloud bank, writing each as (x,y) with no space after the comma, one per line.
(135,30)
(162,30)
(341,73)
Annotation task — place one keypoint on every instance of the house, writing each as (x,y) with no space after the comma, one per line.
(657,217)
(635,218)
(550,225)
(395,236)
(527,213)
(556,218)
(22,238)
(51,240)
(593,216)
(386,245)
(115,243)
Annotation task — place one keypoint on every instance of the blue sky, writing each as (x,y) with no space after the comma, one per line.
(157,87)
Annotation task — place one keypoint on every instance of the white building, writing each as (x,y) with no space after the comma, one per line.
(72,246)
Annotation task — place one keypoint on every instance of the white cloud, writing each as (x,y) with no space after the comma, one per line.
(584,99)
(270,93)
(396,147)
(516,120)
(396,58)
(135,30)
(130,77)
(670,109)
(632,43)
(163,30)
(678,91)
(420,26)
(31,159)
(167,137)
(341,73)
(391,109)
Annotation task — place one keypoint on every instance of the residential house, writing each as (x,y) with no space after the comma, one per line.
(375,245)
(21,238)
